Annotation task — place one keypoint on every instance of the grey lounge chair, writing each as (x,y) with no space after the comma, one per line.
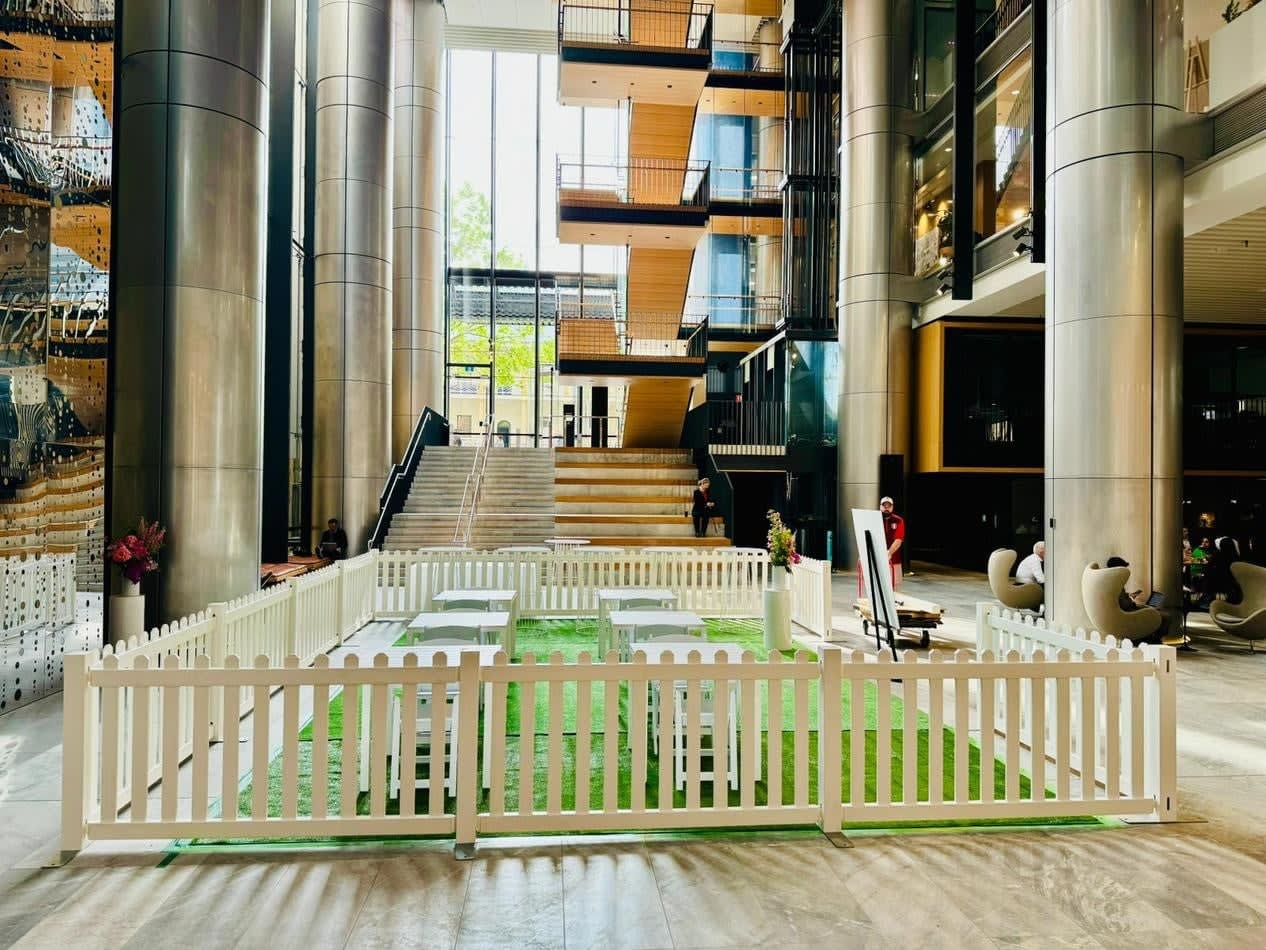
(1011,593)
(1247,619)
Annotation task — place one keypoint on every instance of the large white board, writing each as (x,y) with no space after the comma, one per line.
(868,527)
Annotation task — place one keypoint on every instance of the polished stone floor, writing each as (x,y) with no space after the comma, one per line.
(1197,883)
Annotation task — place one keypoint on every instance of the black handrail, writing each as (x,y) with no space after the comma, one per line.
(432,429)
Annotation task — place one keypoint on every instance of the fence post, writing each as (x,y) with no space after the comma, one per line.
(1161,707)
(78,738)
(827,618)
(216,652)
(468,785)
(830,797)
(983,641)
(340,603)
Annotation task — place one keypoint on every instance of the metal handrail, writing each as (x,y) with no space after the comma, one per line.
(431,429)
(746,184)
(470,490)
(584,430)
(678,25)
(742,56)
(637,181)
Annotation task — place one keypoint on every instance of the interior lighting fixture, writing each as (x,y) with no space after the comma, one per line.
(944,289)
(1022,232)
(1021,249)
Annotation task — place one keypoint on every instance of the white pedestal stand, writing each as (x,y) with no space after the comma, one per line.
(778,610)
(127,613)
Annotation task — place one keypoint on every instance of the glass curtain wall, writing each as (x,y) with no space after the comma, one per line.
(509,277)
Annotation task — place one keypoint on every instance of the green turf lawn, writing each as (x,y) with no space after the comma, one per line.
(569,638)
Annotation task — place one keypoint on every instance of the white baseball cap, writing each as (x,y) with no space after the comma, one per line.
(886,498)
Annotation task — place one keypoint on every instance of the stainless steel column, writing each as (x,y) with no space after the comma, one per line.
(188,321)
(1114,199)
(352,264)
(417,347)
(770,144)
(876,247)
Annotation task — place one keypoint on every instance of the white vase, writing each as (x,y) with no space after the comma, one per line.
(127,613)
(779,579)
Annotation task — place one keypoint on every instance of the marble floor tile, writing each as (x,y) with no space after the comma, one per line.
(611,899)
(514,899)
(323,895)
(416,901)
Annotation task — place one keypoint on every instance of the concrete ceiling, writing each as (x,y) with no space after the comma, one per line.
(504,14)
(1225,272)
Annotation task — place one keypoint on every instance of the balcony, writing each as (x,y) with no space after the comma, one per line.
(637,344)
(656,51)
(733,318)
(746,79)
(746,201)
(640,203)
(738,428)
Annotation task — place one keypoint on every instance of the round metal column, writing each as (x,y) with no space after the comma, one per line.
(1114,295)
(876,247)
(189,307)
(417,349)
(352,263)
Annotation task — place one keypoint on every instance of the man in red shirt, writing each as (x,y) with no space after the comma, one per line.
(895,535)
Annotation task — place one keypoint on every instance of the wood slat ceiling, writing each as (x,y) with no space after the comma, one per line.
(1225,272)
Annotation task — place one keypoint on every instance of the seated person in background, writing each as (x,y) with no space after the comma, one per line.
(1136,600)
(1032,568)
(333,541)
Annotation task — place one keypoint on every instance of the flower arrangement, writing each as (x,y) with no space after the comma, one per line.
(781,543)
(137,552)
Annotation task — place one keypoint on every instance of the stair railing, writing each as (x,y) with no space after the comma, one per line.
(1019,127)
(431,429)
(470,491)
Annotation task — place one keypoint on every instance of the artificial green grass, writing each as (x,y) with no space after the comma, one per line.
(569,638)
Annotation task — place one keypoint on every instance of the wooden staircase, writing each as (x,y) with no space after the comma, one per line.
(629,498)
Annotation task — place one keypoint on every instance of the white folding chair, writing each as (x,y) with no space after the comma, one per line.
(707,730)
(455,605)
(422,739)
(466,633)
(663,633)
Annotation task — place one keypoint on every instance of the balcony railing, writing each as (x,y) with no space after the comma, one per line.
(730,428)
(1005,13)
(734,313)
(652,337)
(639,181)
(746,184)
(739,57)
(1227,433)
(664,25)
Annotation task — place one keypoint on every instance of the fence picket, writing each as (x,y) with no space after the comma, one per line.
(169,786)
(1037,697)
(1086,763)
(800,689)
(611,746)
(1012,732)
(527,736)
(773,734)
(909,730)
(377,725)
(637,735)
(352,779)
(936,745)
(554,776)
(584,728)
(140,746)
(320,740)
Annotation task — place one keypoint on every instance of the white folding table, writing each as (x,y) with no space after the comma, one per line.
(493,625)
(613,598)
(493,600)
(624,624)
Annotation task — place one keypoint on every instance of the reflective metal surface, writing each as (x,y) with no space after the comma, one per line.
(352,262)
(1113,296)
(188,377)
(875,245)
(417,377)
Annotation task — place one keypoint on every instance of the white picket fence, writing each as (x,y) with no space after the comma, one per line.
(722,582)
(1099,709)
(811,595)
(116,717)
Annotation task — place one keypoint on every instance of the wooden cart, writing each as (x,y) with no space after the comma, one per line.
(912,614)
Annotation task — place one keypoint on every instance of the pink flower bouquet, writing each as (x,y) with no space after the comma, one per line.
(137,552)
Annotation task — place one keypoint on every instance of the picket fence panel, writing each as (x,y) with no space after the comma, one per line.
(726,582)
(1104,713)
(131,723)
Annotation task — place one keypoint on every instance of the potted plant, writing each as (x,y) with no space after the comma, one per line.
(781,544)
(136,554)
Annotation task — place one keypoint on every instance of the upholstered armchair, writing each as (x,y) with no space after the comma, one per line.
(1247,619)
(1011,593)
(1101,592)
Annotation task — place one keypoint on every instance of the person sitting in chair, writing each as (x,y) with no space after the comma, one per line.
(1137,600)
(702,507)
(333,541)
(1032,568)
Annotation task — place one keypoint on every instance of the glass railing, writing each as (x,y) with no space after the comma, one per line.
(740,57)
(746,184)
(1005,13)
(734,312)
(638,181)
(670,25)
